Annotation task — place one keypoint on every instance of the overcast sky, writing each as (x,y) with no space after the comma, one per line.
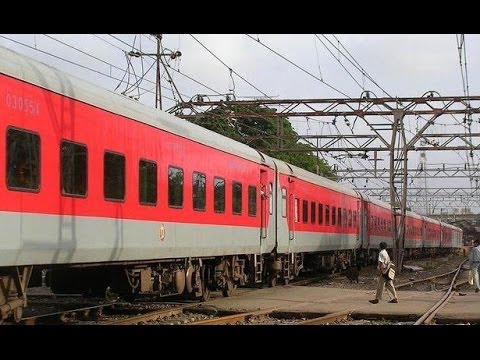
(402,65)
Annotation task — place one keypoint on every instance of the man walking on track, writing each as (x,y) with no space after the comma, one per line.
(383,279)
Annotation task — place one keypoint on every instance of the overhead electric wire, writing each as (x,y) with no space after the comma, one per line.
(341,51)
(298,67)
(464,73)
(70,61)
(98,59)
(178,71)
(359,67)
(338,60)
(228,67)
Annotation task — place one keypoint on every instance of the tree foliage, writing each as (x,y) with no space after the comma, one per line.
(262,133)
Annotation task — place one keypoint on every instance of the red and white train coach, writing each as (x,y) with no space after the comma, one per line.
(318,220)
(104,191)
(451,237)
(93,178)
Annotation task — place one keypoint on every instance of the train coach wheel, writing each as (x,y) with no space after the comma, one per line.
(205,293)
(17,314)
(228,289)
(272,280)
(205,279)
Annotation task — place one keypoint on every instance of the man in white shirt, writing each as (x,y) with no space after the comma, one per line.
(383,280)
(474,260)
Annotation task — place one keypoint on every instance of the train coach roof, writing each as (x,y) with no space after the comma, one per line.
(302,174)
(414,215)
(34,72)
(378,202)
(451,226)
(430,220)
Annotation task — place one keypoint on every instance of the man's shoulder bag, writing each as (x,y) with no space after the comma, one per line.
(390,274)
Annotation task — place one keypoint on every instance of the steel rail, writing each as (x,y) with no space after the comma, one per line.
(231,319)
(426,279)
(153,315)
(430,313)
(326,319)
(33,320)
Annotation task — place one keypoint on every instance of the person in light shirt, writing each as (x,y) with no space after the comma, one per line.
(383,280)
(474,260)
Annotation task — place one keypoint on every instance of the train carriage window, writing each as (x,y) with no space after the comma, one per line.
(305,211)
(313,212)
(284,202)
(236,198)
(218,195)
(334,214)
(327,214)
(344,217)
(354,218)
(147,178)
(113,176)
(199,191)
(23,160)
(339,219)
(252,200)
(73,169)
(350,218)
(320,214)
(175,187)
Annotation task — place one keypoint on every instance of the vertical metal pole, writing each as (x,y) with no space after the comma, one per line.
(398,178)
(158,88)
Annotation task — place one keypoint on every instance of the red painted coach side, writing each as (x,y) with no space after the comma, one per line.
(61,118)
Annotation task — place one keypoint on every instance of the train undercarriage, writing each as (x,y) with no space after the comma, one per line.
(13,285)
(192,278)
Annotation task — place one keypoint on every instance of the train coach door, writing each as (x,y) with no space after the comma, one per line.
(292,209)
(264,196)
(362,223)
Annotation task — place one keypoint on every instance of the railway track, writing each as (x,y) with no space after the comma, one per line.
(91,313)
(430,313)
(195,313)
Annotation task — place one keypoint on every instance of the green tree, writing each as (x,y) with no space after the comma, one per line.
(261,133)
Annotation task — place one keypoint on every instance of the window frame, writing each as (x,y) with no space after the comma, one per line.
(86,170)
(305,211)
(204,189)
(124,176)
(224,194)
(313,212)
(168,187)
(23,189)
(284,201)
(156,182)
(255,199)
(234,182)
